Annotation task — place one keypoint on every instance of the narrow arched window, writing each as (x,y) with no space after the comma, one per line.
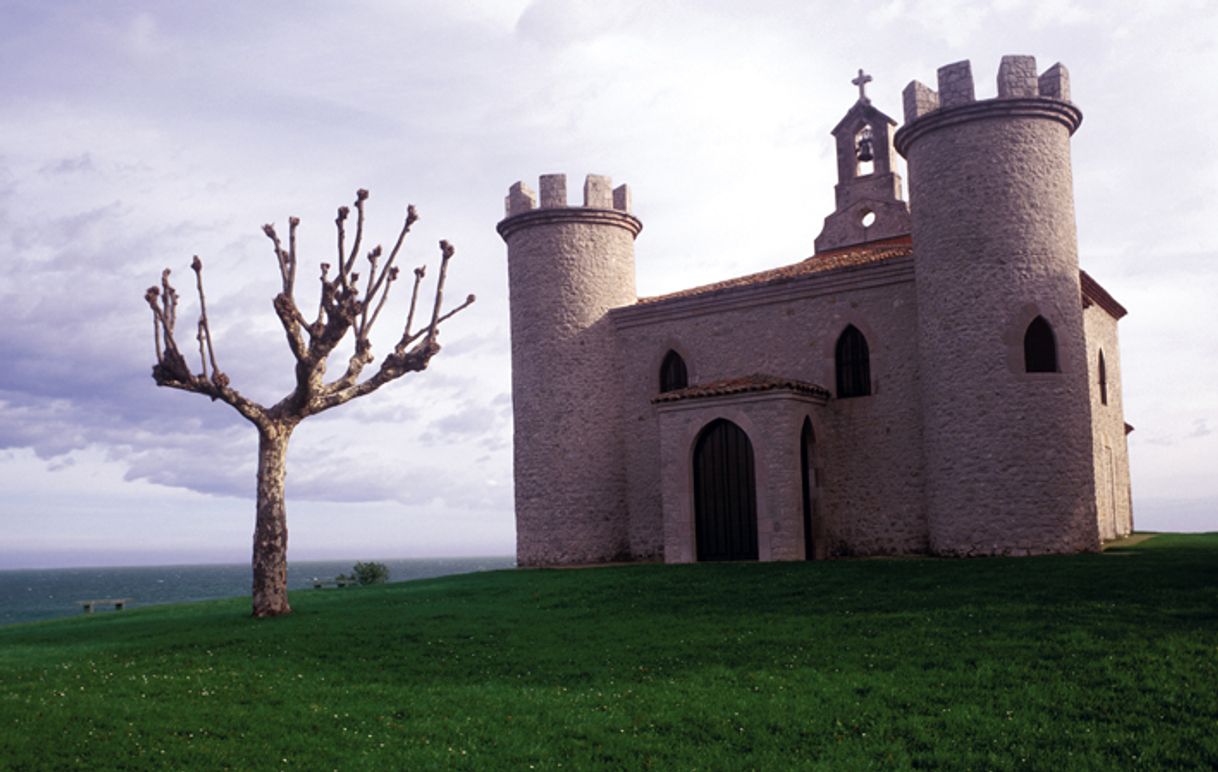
(1039,347)
(807,483)
(1103,381)
(853,362)
(672,373)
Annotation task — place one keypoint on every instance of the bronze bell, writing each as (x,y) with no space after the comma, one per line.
(864,151)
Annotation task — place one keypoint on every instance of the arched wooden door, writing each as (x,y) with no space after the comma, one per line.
(725,493)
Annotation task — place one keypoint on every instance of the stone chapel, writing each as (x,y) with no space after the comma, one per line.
(939,377)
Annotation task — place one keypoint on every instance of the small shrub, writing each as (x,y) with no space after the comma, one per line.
(371,573)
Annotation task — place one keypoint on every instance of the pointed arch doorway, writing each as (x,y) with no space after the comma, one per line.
(725,493)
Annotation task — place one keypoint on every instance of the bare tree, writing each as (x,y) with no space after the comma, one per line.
(342,309)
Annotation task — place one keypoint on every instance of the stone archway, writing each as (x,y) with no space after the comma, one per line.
(725,494)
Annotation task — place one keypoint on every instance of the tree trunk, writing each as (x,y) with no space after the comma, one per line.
(271,524)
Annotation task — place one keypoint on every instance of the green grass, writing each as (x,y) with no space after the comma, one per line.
(1083,662)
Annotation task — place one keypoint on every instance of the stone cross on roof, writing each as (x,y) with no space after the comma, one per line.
(861,81)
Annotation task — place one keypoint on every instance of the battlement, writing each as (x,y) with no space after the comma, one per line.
(599,193)
(1021,94)
(1017,79)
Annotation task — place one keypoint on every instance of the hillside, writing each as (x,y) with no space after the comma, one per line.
(1106,660)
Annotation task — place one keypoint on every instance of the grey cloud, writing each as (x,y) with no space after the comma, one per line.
(367,476)
(344,479)
(373,410)
(468,344)
(69,165)
(503,403)
(496,442)
(562,22)
(473,420)
(215,462)
(1161,440)
(181,108)
(58,236)
(61,463)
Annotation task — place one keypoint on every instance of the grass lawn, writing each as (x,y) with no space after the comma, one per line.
(1065,663)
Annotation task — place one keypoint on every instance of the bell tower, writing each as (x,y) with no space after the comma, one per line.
(868,204)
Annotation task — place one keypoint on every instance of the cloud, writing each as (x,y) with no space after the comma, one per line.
(141,134)
(221,463)
(471,420)
(564,22)
(142,39)
(69,165)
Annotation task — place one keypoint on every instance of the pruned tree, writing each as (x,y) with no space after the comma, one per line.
(342,310)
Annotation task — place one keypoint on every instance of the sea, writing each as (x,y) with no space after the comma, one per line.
(29,595)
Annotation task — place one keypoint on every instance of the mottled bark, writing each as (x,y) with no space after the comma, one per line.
(271,524)
(341,310)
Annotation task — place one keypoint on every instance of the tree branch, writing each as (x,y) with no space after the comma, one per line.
(340,222)
(285,303)
(446,254)
(394,366)
(412,216)
(293,222)
(340,310)
(374,280)
(171,369)
(204,327)
(361,196)
(280,255)
(376,312)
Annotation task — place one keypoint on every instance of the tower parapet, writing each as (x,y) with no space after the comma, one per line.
(567,266)
(599,193)
(1007,444)
(1020,92)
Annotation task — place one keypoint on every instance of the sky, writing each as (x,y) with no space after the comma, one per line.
(134,135)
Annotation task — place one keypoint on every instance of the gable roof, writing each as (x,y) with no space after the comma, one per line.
(846,257)
(746,383)
(861,110)
(861,255)
(1094,293)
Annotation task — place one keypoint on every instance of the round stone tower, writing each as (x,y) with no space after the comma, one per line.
(1006,408)
(567,266)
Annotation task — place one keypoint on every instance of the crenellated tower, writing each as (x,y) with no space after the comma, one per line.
(1003,370)
(567,266)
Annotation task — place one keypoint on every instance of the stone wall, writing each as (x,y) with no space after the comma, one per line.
(1114,509)
(1008,453)
(773,420)
(566,267)
(958,450)
(868,448)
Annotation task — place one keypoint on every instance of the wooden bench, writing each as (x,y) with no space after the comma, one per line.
(118,603)
(341,581)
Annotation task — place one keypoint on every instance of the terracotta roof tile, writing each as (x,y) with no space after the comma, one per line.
(747,383)
(861,254)
(1094,293)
